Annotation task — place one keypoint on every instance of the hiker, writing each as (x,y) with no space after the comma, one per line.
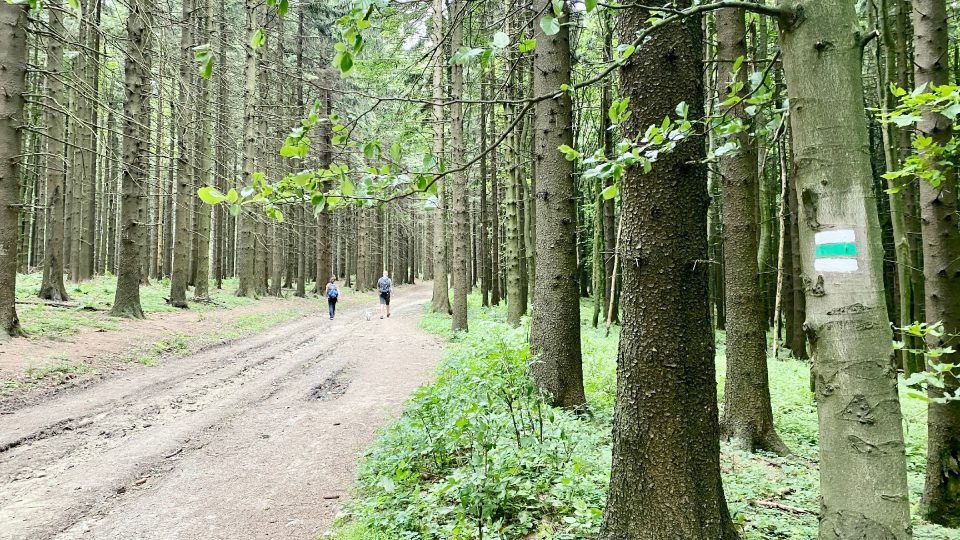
(333,294)
(384,285)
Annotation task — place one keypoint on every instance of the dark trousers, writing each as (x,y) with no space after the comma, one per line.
(332,302)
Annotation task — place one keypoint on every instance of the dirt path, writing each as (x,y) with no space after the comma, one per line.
(251,439)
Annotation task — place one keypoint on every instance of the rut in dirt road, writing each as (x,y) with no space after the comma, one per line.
(256,438)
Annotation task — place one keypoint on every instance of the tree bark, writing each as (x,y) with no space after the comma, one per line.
(862,461)
(941,269)
(201,290)
(665,481)
(557,369)
(53,287)
(441,290)
(245,241)
(182,242)
(136,149)
(747,414)
(13,63)
(461,213)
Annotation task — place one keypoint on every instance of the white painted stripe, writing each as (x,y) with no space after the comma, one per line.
(836,237)
(845,266)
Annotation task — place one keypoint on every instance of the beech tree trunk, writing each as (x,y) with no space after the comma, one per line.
(555,328)
(665,480)
(747,414)
(862,461)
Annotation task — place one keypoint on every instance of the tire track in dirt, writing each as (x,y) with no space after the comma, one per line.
(190,448)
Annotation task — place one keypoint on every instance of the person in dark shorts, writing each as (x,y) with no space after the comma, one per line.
(384,285)
(333,294)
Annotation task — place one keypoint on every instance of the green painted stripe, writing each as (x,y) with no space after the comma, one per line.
(837,250)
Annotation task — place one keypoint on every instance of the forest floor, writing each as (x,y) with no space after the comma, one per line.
(252,432)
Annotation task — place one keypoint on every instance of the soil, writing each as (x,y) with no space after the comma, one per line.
(254,438)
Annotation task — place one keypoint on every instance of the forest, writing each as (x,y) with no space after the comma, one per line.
(695,263)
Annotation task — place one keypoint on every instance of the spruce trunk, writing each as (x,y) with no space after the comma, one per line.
(665,481)
(555,328)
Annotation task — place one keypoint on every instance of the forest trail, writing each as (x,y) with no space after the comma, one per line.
(255,438)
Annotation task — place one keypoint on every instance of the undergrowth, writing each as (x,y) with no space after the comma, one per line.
(476,454)
(94,298)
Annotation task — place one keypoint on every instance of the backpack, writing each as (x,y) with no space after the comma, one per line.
(384,285)
(333,292)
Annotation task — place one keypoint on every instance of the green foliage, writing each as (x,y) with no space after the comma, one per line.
(930,161)
(918,384)
(453,460)
(479,449)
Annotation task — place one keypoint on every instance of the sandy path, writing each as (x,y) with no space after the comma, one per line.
(256,438)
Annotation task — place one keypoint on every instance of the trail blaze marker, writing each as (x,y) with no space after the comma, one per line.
(836,251)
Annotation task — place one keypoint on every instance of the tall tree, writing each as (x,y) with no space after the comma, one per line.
(460,215)
(555,327)
(13,63)
(136,160)
(862,462)
(52,287)
(441,290)
(201,289)
(247,225)
(182,244)
(665,481)
(748,416)
(941,266)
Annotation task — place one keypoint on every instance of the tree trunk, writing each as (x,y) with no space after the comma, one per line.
(53,287)
(665,481)
(182,243)
(201,290)
(136,149)
(245,241)
(441,291)
(941,269)
(747,414)
(461,212)
(495,289)
(555,328)
(13,60)
(862,462)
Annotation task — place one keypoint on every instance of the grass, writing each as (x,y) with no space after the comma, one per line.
(95,298)
(476,448)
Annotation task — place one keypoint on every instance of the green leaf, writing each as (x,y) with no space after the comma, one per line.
(501,40)
(527,45)
(610,192)
(346,187)
(258,39)
(395,153)
(549,25)
(344,61)
(211,195)
(557,8)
